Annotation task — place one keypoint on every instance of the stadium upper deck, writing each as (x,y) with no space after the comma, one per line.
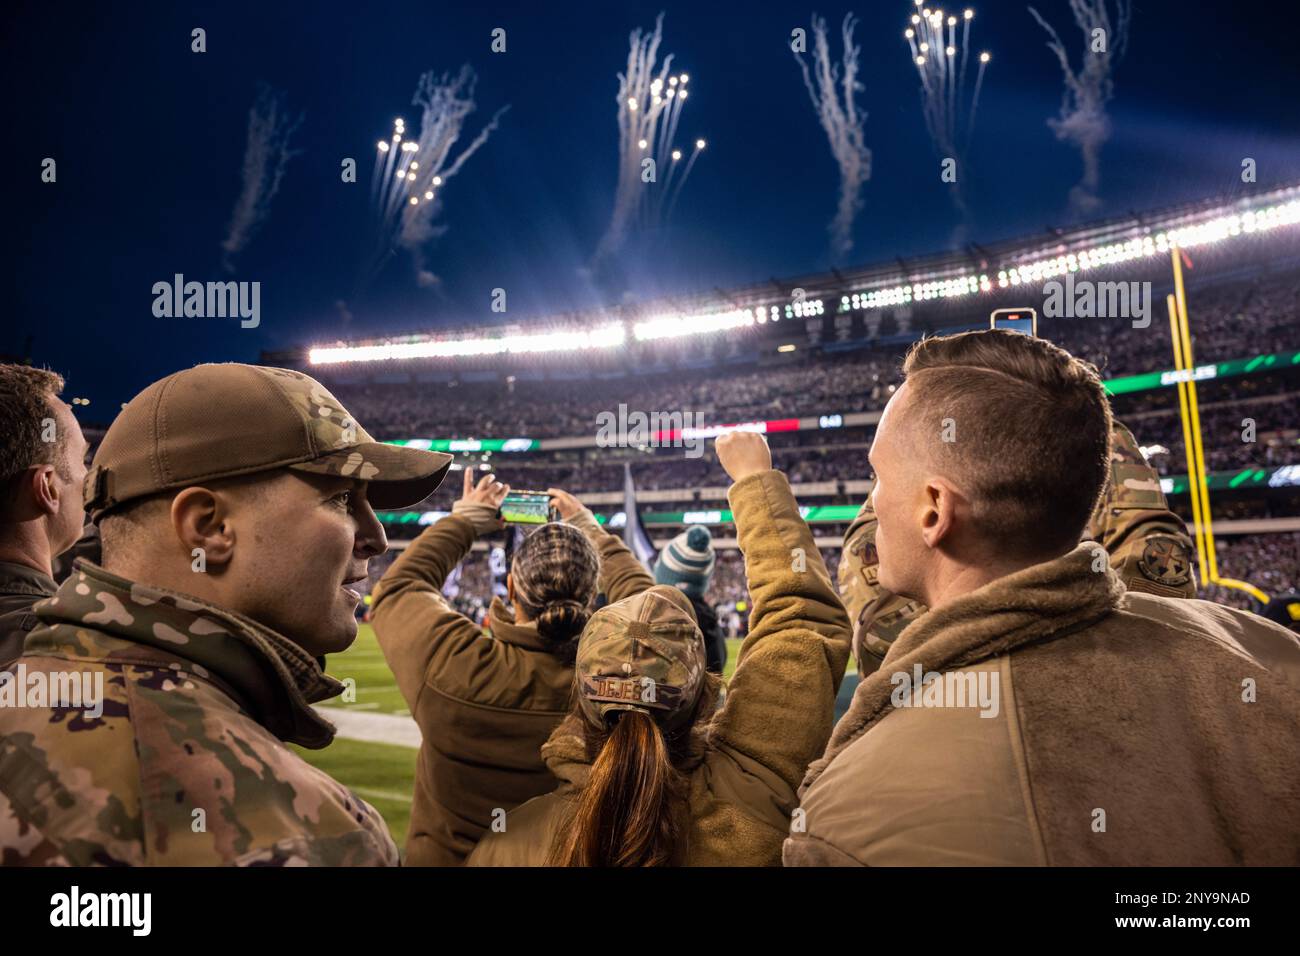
(835,310)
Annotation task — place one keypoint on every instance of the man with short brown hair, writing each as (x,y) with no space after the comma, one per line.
(1039,713)
(42,466)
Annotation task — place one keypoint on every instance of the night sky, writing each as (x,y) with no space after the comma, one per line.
(149,139)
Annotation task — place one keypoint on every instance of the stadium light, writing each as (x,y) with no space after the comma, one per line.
(565,341)
(1022,269)
(678,326)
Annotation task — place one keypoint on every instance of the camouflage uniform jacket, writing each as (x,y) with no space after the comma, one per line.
(1147,544)
(20,588)
(185,761)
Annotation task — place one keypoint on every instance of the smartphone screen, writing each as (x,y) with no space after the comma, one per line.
(1015,320)
(526,507)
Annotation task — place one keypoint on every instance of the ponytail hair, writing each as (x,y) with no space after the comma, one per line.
(633,810)
(560,625)
(630,811)
(555,572)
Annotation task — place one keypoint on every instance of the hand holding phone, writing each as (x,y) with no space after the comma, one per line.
(480,502)
(528,507)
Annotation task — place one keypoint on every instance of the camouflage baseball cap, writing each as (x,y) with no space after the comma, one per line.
(219,421)
(643,653)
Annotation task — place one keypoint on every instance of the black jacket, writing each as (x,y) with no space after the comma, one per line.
(715,642)
(20,588)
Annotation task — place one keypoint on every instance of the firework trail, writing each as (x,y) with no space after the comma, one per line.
(949,117)
(1083,121)
(833,98)
(412,170)
(690,164)
(650,107)
(266,155)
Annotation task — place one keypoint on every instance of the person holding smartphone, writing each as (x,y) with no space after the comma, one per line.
(652,772)
(486,704)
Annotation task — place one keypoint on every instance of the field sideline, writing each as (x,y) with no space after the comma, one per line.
(384,774)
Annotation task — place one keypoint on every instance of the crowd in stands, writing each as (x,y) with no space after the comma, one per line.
(670,469)
(1265,433)
(1234,320)
(560,408)
(1229,321)
(1271,562)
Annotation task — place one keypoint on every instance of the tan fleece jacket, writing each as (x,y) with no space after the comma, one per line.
(777,716)
(485,705)
(1070,723)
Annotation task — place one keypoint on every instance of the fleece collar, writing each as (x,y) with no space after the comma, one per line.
(565,755)
(1038,603)
(504,628)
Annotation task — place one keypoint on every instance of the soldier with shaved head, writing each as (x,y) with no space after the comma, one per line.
(1050,704)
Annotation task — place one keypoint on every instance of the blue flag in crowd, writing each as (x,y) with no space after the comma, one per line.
(634,535)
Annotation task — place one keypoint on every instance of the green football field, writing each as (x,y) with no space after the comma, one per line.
(384,774)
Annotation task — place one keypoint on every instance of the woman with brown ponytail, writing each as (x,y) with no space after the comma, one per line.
(486,704)
(651,772)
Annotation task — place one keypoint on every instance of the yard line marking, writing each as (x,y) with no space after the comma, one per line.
(372,728)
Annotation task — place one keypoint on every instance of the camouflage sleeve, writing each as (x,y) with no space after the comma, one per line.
(21,841)
(878,616)
(1148,544)
(415,626)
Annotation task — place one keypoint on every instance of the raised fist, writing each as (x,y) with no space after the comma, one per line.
(743,454)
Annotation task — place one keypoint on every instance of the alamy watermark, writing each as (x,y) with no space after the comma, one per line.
(652,430)
(61,690)
(209,300)
(1085,299)
(923,688)
(133,911)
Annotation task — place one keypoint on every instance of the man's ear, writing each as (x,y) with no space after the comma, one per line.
(201,520)
(510,587)
(45,491)
(938,519)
